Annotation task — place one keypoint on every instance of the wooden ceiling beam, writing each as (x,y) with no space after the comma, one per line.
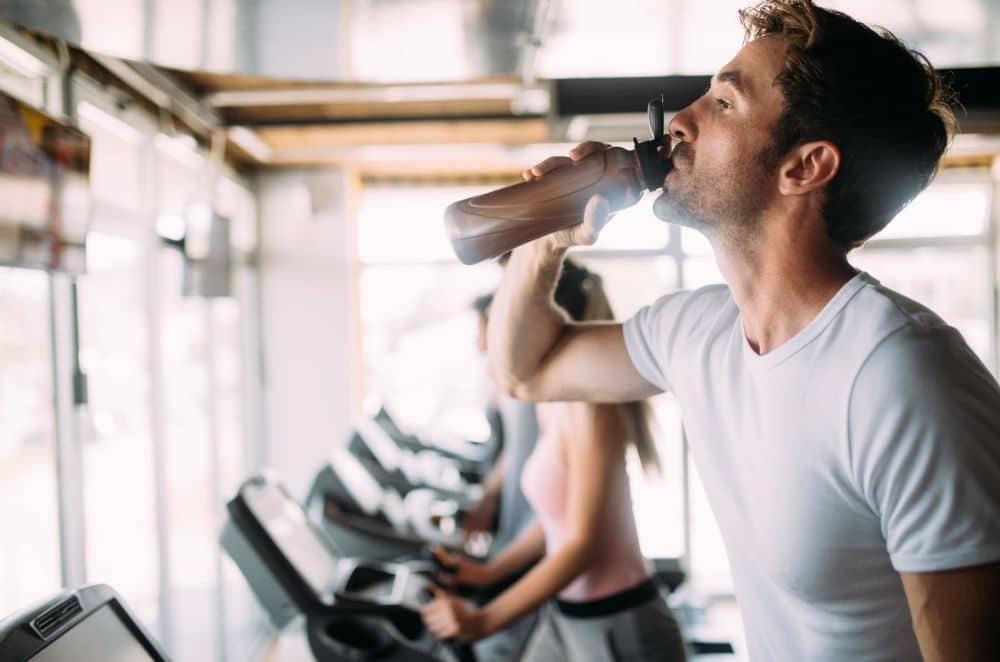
(327,136)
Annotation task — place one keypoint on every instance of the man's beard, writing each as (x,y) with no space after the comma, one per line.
(724,205)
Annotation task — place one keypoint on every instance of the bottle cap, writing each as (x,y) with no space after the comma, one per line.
(652,165)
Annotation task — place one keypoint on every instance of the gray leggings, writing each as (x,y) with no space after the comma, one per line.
(645,632)
(507,644)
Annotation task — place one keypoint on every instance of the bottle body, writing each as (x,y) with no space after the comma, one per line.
(488,225)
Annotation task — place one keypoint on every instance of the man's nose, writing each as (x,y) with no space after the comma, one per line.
(682,126)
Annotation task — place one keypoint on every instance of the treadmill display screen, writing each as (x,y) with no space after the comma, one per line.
(101,636)
(286,524)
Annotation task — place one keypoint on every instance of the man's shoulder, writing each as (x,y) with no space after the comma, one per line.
(714,292)
(877,318)
(677,325)
(915,351)
(921,357)
(708,300)
(895,310)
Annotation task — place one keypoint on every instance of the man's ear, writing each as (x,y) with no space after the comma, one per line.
(808,167)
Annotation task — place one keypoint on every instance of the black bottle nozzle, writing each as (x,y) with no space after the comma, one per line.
(653,166)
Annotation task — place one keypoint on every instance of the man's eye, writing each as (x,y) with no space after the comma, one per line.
(725,105)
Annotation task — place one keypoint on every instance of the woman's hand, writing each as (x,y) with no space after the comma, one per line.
(450,617)
(460,570)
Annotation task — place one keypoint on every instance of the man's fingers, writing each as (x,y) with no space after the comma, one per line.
(585,149)
(581,151)
(595,217)
(597,213)
(548,165)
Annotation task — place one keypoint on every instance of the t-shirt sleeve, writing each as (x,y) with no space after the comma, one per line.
(925,450)
(661,331)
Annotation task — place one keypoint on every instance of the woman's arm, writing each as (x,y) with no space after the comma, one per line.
(594,448)
(525,550)
(594,451)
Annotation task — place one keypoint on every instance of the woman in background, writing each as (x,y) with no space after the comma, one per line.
(603,603)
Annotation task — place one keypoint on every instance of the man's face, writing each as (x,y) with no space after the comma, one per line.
(721,179)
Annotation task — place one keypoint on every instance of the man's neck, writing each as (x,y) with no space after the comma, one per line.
(781,285)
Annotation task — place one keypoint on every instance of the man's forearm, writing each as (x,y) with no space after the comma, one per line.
(524,323)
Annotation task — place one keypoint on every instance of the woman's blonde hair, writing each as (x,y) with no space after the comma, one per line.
(637,416)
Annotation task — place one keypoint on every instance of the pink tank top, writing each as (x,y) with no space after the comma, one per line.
(618,563)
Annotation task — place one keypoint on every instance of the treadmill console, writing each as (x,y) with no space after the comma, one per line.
(92,623)
(311,554)
(305,562)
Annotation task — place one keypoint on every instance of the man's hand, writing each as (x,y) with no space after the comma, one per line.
(481,516)
(449,617)
(578,153)
(597,212)
(462,571)
(535,352)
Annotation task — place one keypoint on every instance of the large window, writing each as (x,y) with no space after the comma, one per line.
(121,535)
(122,544)
(161,433)
(418,326)
(29,534)
(192,504)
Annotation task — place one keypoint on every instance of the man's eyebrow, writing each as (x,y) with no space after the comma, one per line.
(734,79)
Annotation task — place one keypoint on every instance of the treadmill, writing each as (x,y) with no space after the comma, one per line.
(476,458)
(365,519)
(91,623)
(353,608)
(404,469)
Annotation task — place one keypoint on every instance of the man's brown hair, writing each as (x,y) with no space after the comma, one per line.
(880,103)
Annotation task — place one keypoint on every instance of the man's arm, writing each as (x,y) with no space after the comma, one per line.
(536,352)
(956,613)
(924,415)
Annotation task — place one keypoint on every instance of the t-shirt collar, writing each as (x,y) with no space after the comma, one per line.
(811,330)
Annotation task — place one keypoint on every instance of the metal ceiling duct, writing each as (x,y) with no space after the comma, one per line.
(408,41)
(372,41)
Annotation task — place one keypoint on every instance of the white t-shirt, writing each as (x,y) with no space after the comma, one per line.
(866,445)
